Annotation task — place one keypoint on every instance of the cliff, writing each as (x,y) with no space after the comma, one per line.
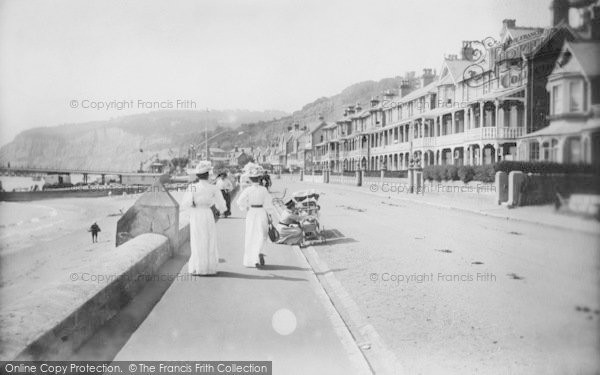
(116,144)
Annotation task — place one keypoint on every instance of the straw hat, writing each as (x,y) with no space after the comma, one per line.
(203,167)
(253,170)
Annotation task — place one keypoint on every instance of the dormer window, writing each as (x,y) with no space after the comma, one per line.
(564,59)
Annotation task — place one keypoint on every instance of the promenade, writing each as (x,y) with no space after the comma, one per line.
(279,313)
(409,285)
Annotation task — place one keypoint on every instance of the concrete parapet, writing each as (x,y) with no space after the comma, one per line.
(156,211)
(76,308)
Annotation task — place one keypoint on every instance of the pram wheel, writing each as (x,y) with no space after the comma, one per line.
(261,258)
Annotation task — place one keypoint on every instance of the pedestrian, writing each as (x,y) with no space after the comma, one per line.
(198,199)
(94,229)
(226,187)
(266,180)
(255,199)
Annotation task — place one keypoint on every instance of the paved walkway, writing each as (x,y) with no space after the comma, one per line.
(483,204)
(279,313)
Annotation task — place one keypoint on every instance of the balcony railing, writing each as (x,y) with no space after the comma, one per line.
(395,147)
(424,142)
(359,152)
(471,135)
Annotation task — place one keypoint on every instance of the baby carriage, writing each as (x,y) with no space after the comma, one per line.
(308,209)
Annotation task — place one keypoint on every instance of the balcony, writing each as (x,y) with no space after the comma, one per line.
(486,133)
(395,147)
(478,134)
(424,142)
(357,153)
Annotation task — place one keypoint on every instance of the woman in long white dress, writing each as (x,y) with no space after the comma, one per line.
(198,199)
(256,200)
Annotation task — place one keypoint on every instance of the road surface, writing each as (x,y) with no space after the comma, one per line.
(457,292)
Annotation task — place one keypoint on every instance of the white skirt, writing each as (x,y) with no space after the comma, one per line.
(204,256)
(256,235)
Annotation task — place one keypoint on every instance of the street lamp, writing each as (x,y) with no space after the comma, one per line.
(215,136)
(206,136)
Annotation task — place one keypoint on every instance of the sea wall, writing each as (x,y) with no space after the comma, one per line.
(79,306)
(88,298)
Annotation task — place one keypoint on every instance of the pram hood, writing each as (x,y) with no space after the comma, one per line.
(310,195)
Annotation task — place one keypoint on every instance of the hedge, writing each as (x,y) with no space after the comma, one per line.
(487,173)
(464,173)
(546,167)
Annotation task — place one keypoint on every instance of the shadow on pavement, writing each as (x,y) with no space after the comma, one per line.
(276,267)
(334,241)
(329,271)
(234,275)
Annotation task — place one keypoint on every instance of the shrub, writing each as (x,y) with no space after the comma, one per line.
(450,172)
(428,172)
(466,173)
(484,173)
(438,173)
(544,167)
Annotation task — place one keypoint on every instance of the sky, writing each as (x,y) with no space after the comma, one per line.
(70,61)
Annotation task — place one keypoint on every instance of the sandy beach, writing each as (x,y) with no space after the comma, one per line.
(43,242)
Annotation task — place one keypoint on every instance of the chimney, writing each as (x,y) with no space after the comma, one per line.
(467,51)
(321,118)
(289,128)
(345,112)
(560,11)
(358,107)
(427,77)
(296,126)
(509,24)
(350,109)
(595,23)
(374,101)
(405,88)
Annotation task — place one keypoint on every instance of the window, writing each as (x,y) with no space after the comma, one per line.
(576,103)
(554,153)
(534,151)
(556,99)
(574,151)
(546,149)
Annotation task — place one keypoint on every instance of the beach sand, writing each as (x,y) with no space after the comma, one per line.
(43,243)
(43,250)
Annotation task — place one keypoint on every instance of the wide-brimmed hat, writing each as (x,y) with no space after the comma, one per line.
(253,170)
(203,167)
(290,203)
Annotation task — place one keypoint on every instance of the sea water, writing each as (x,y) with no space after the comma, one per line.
(10,183)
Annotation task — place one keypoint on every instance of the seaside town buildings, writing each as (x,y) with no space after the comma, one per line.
(532,95)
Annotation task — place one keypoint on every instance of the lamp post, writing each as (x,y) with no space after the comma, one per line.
(214,136)
(206,136)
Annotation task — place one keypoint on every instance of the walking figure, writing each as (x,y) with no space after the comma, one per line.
(94,229)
